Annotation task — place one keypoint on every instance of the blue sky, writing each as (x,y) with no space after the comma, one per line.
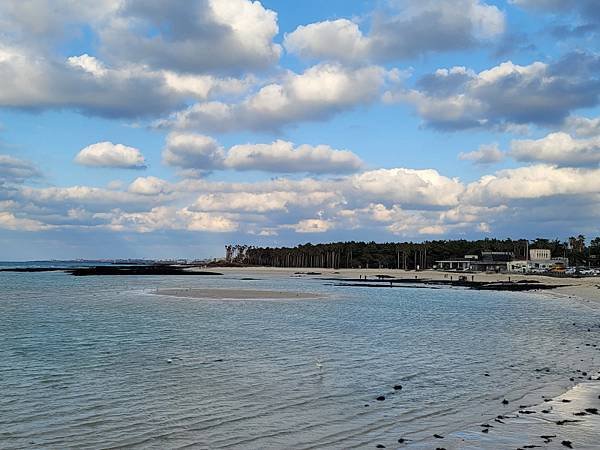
(154,129)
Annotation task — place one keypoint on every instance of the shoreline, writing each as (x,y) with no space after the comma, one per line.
(585,289)
(235,294)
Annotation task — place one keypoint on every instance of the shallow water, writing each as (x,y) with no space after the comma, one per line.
(84,362)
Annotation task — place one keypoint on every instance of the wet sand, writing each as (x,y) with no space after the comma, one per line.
(570,419)
(235,294)
(587,288)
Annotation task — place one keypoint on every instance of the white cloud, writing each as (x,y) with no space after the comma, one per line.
(504,95)
(559,149)
(312,226)
(582,126)
(107,154)
(9,221)
(282,156)
(149,186)
(408,187)
(485,154)
(202,153)
(533,183)
(192,36)
(193,152)
(318,93)
(407,30)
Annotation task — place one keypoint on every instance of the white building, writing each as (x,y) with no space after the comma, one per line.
(540,260)
(539,254)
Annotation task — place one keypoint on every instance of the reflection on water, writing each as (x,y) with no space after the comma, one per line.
(98,362)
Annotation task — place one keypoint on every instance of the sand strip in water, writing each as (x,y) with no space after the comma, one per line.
(235,294)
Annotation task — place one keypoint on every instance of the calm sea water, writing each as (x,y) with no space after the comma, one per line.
(83,362)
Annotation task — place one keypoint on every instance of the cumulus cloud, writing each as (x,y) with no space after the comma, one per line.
(534,183)
(14,170)
(107,154)
(505,95)
(312,226)
(409,29)
(558,149)
(86,84)
(149,186)
(316,94)
(9,221)
(202,153)
(582,126)
(485,154)
(169,218)
(192,36)
(408,187)
(144,66)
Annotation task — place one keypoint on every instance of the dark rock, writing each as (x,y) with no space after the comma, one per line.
(531,446)
(526,411)
(398,387)
(591,410)
(582,413)
(380,446)
(485,430)
(567,444)
(401,441)
(566,421)
(486,425)
(505,402)
(438,436)
(546,411)
(564,400)
(380,398)
(498,420)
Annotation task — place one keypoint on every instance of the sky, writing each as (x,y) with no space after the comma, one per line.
(163,129)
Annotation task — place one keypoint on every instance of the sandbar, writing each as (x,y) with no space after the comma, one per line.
(235,294)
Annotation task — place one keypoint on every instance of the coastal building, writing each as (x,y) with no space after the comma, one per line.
(489,262)
(540,260)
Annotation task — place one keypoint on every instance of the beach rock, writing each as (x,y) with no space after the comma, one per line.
(567,444)
(398,387)
(401,441)
(565,400)
(545,411)
(582,413)
(591,410)
(438,436)
(505,402)
(380,398)
(485,430)
(380,446)
(566,421)
(525,411)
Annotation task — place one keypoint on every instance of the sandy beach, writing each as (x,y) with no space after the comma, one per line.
(586,289)
(235,294)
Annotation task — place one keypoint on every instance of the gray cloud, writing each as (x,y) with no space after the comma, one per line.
(192,36)
(406,30)
(14,170)
(316,94)
(201,153)
(507,94)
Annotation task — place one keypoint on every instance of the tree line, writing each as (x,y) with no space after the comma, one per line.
(406,255)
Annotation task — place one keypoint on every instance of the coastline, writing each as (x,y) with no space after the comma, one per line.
(582,289)
(551,423)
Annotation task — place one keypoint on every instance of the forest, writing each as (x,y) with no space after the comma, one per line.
(406,255)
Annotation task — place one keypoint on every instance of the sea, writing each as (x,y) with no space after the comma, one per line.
(104,362)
